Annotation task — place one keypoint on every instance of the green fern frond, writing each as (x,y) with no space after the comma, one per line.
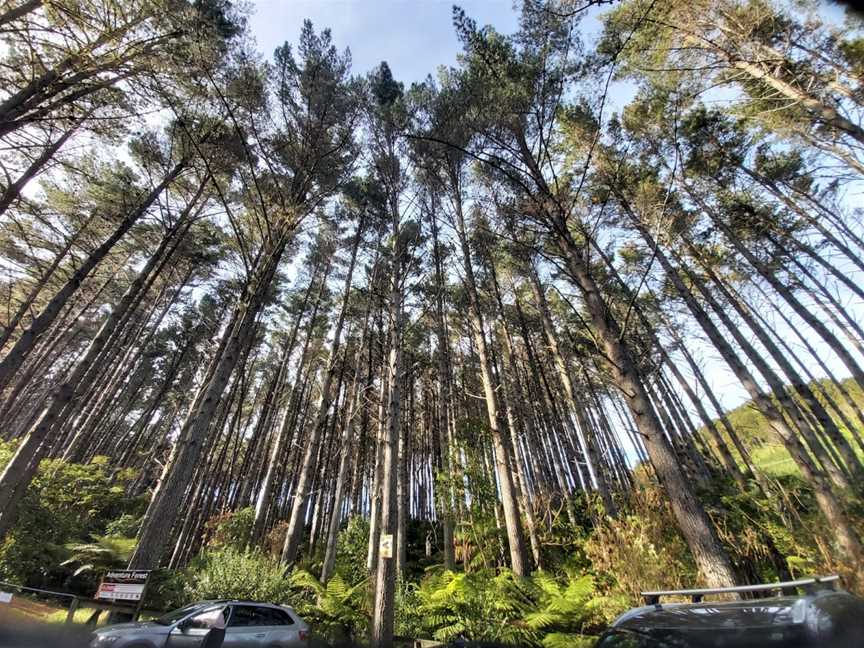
(337,587)
(547,583)
(541,619)
(305,580)
(567,640)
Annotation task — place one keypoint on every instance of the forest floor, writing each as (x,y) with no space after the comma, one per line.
(22,609)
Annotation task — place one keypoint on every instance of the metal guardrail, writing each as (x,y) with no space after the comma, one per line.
(696,595)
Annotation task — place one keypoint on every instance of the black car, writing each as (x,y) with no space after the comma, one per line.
(819,616)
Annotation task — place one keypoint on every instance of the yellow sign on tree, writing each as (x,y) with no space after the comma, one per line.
(385,546)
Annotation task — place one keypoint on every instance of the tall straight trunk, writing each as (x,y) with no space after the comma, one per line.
(701,537)
(385,568)
(804,391)
(777,386)
(446,497)
(696,527)
(839,316)
(164,507)
(45,353)
(265,490)
(515,397)
(345,460)
(347,444)
(13,360)
(726,458)
(567,380)
(784,291)
(46,275)
(375,493)
(731,432)
(402,484)
(296,521)
(106,373)
(503,467)
(841,388)
(804,214)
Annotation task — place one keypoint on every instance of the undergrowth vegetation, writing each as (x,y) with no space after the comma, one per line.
(78,524)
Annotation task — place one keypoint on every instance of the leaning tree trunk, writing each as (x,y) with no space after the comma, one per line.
(696,527)
(16,356)
(567,380)
(164,507)
(828,503)
(446,497)
(22,467)
(262,503)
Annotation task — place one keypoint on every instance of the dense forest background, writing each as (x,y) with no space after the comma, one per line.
(260,311)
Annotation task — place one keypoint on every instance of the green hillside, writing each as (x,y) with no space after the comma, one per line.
(768,453)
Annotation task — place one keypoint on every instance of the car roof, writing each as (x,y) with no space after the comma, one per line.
(241,602)
(753,613)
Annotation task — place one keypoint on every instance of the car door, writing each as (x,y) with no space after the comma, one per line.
(191,632)
(243,630)
(281,628)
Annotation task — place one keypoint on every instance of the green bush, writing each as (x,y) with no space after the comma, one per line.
(640,548)
(490,605)
(351,550)
(126,526)
(66,503)
(237,574)
(233,529)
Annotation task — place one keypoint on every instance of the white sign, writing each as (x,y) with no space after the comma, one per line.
(385,546)
(5,597)
(123,585)
(120,592)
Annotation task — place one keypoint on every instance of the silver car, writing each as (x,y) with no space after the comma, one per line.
(247,625)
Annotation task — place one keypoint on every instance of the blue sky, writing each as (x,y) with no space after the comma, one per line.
(413,36)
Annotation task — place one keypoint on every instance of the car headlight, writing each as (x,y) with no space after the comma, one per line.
(100,641)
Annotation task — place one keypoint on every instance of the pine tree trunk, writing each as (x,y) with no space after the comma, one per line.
(696,527)
(296,521)
(385,568)
(13,360)
(503,468)
(828,503)
(164,507)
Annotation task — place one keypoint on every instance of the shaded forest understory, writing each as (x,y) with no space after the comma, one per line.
(261,314)
(594,566)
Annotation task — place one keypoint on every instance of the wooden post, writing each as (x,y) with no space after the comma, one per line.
(137,611)
(73,607)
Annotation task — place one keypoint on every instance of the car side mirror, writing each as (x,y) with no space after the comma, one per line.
(185,623)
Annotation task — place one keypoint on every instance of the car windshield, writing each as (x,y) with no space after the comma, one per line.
(176,615)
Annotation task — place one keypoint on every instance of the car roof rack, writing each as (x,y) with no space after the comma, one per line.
(653,598)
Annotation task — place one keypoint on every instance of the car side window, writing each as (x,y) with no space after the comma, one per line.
(274,617)
(243,616)
(208,619)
